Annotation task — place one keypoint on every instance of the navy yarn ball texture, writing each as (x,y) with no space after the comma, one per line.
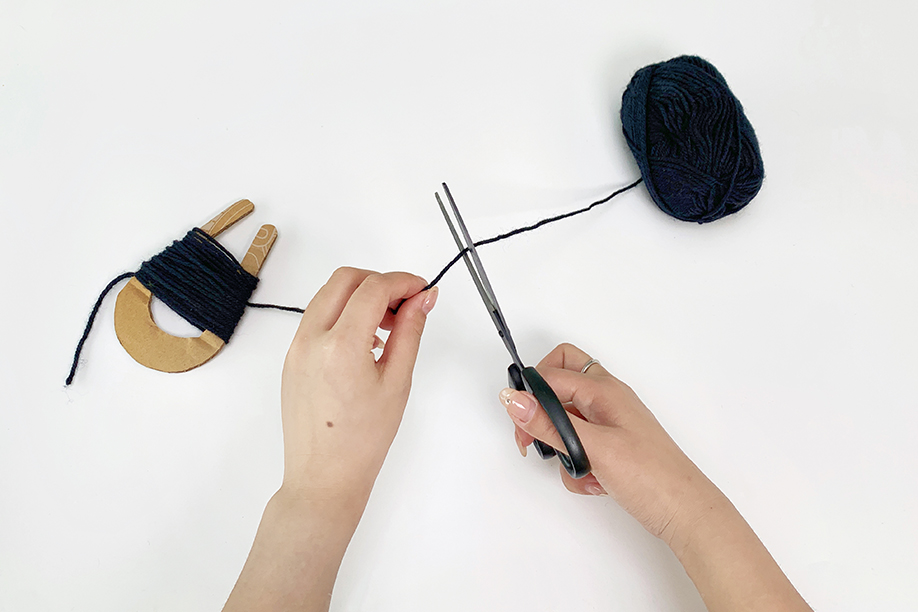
(697,152)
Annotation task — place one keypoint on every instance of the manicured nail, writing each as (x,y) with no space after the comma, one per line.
(431,300)
(519,443)
(378,343)
(520,406)
(594,489)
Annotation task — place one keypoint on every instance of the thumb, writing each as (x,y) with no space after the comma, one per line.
(404,340)
(529,416)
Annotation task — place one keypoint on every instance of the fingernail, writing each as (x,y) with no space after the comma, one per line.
(378,343)
(519,443)
(595,489)
(431,300)
(520,406)
(505,396)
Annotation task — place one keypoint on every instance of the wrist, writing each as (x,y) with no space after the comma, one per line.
(294,560)
(329,485)
(727,562)
(700,514)
(328,508)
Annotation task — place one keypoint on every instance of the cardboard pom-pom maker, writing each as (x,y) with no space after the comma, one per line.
(149,345)
(201,281)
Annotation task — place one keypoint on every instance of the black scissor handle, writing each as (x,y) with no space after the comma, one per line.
(575,461)
(516,381)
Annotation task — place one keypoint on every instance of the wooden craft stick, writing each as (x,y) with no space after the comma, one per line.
(228,217)
(258,252)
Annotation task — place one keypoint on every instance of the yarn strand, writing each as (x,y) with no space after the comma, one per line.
(89,322)
(275,307)
(528,228)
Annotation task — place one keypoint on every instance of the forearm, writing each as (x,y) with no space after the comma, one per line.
(729,565)
(296,554)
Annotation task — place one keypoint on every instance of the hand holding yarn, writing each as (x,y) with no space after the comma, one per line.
(341,407)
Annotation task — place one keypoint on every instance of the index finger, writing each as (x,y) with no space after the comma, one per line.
(326,306)
(568,357)
(367,306)
(589,395)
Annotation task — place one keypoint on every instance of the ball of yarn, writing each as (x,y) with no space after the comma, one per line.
(697,152)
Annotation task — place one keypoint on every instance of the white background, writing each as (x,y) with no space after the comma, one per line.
(777,346)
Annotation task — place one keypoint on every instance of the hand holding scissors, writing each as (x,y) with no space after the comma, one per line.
(520,377)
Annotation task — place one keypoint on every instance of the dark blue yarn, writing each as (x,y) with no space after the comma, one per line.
(197,278)
(697,153)
(201,281)
(521,230)
(696,150)
(90,321)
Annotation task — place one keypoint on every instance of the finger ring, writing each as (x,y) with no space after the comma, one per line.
(588,364)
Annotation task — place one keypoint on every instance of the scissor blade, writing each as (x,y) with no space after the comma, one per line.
(470,265)
(476,269)
(473,252)
(449,222)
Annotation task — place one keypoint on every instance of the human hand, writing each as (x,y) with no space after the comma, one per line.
(341,407)
(632,457)
(641,467)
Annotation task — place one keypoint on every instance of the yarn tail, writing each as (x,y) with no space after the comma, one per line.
(92,318)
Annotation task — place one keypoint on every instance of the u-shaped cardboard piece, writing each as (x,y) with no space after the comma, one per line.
(149,345)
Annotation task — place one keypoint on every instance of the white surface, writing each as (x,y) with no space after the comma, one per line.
(777,346)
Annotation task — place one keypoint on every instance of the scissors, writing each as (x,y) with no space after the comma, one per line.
(520,377)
